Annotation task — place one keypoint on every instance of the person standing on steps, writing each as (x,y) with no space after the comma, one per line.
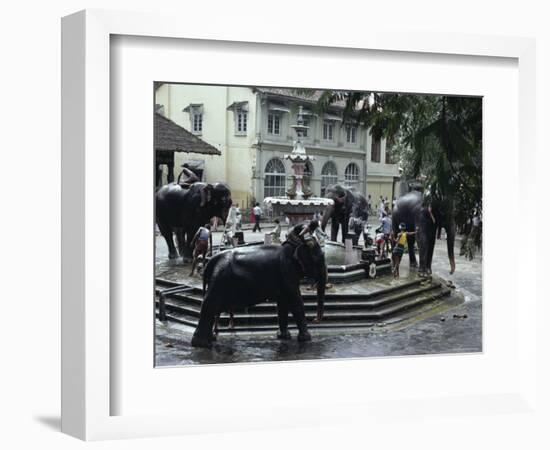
(257,217)
(386,226)
(399,248)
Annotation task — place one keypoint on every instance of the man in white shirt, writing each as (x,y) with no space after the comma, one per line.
(381,208)
(257,216)
(239,216)
(232,218)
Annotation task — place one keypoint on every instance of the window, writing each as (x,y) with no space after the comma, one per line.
(351,134)
(240,116)
(351,175)
(306,124)
(375,150)
(195,111)
(273,124)
(241,121)
(275,179)
(197,122)
(389,151)
(328,131)
(329,175)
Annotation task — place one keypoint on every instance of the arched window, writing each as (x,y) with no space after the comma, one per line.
(351,175)
(275,178)
(329,175)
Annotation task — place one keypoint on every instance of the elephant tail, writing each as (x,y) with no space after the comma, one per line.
(207,273)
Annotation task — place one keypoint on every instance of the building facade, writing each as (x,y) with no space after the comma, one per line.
(252,129)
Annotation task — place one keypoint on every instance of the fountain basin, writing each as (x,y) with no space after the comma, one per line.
(343,267)
(297,210)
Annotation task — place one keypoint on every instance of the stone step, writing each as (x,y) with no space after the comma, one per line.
(196,293)
(331,321)
(338,315)
(192,303)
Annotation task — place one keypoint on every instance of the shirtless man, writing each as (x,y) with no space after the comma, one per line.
(202,242)
(190,176)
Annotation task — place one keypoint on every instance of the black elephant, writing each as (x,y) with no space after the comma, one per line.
(347,203)
(241,277)
(182,211)
(411,211)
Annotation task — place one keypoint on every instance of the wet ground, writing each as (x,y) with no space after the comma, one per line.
(455,330)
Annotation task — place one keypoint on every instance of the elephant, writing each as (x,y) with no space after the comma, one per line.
(179,211)
(409,209)
(241,277)
(347,203)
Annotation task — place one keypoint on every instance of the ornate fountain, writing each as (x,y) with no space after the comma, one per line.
(298,204)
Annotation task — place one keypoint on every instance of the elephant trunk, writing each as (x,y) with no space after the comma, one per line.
(225,213)
(451,245)
(321,287)
(327,215)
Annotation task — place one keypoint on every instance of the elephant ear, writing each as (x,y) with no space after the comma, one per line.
(300,255)
(207,193)
(349,201)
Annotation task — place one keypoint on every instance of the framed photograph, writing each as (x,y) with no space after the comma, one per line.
(296,229)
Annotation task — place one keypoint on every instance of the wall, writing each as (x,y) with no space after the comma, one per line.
(234,164)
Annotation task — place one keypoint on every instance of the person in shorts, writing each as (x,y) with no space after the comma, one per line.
(276,232)
(399,248)
(386,226)
(380,243)
(202,242)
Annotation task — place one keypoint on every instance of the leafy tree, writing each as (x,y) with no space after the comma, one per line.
(437,138)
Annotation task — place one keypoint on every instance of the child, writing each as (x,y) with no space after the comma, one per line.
(399,248)
(227,237)
(276,232)
(202,241)
(380,241)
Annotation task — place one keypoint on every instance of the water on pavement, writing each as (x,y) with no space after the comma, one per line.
(458,330)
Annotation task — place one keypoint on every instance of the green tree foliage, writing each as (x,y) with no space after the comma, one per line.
(438,138)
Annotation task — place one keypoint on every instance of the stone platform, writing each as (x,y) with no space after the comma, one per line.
(375,303)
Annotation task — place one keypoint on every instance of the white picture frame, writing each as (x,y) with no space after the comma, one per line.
(87,325)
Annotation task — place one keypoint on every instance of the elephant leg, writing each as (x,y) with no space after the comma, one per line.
(426,243)
(216,323)
(180,237)
(422,252)
(282,313)
(168,236)
(298,312)
(334,230)
(356,236)
(344,230)
(187,250)
(430,253)
(411,240)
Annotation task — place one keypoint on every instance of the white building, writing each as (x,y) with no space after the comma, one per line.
(251,128)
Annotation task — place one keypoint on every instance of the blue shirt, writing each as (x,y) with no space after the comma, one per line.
(204,234)
(386,225)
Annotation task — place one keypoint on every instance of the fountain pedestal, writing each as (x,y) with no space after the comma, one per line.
(298,204)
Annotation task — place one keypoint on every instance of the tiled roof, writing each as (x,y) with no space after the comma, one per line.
(306,95)
(169,136)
